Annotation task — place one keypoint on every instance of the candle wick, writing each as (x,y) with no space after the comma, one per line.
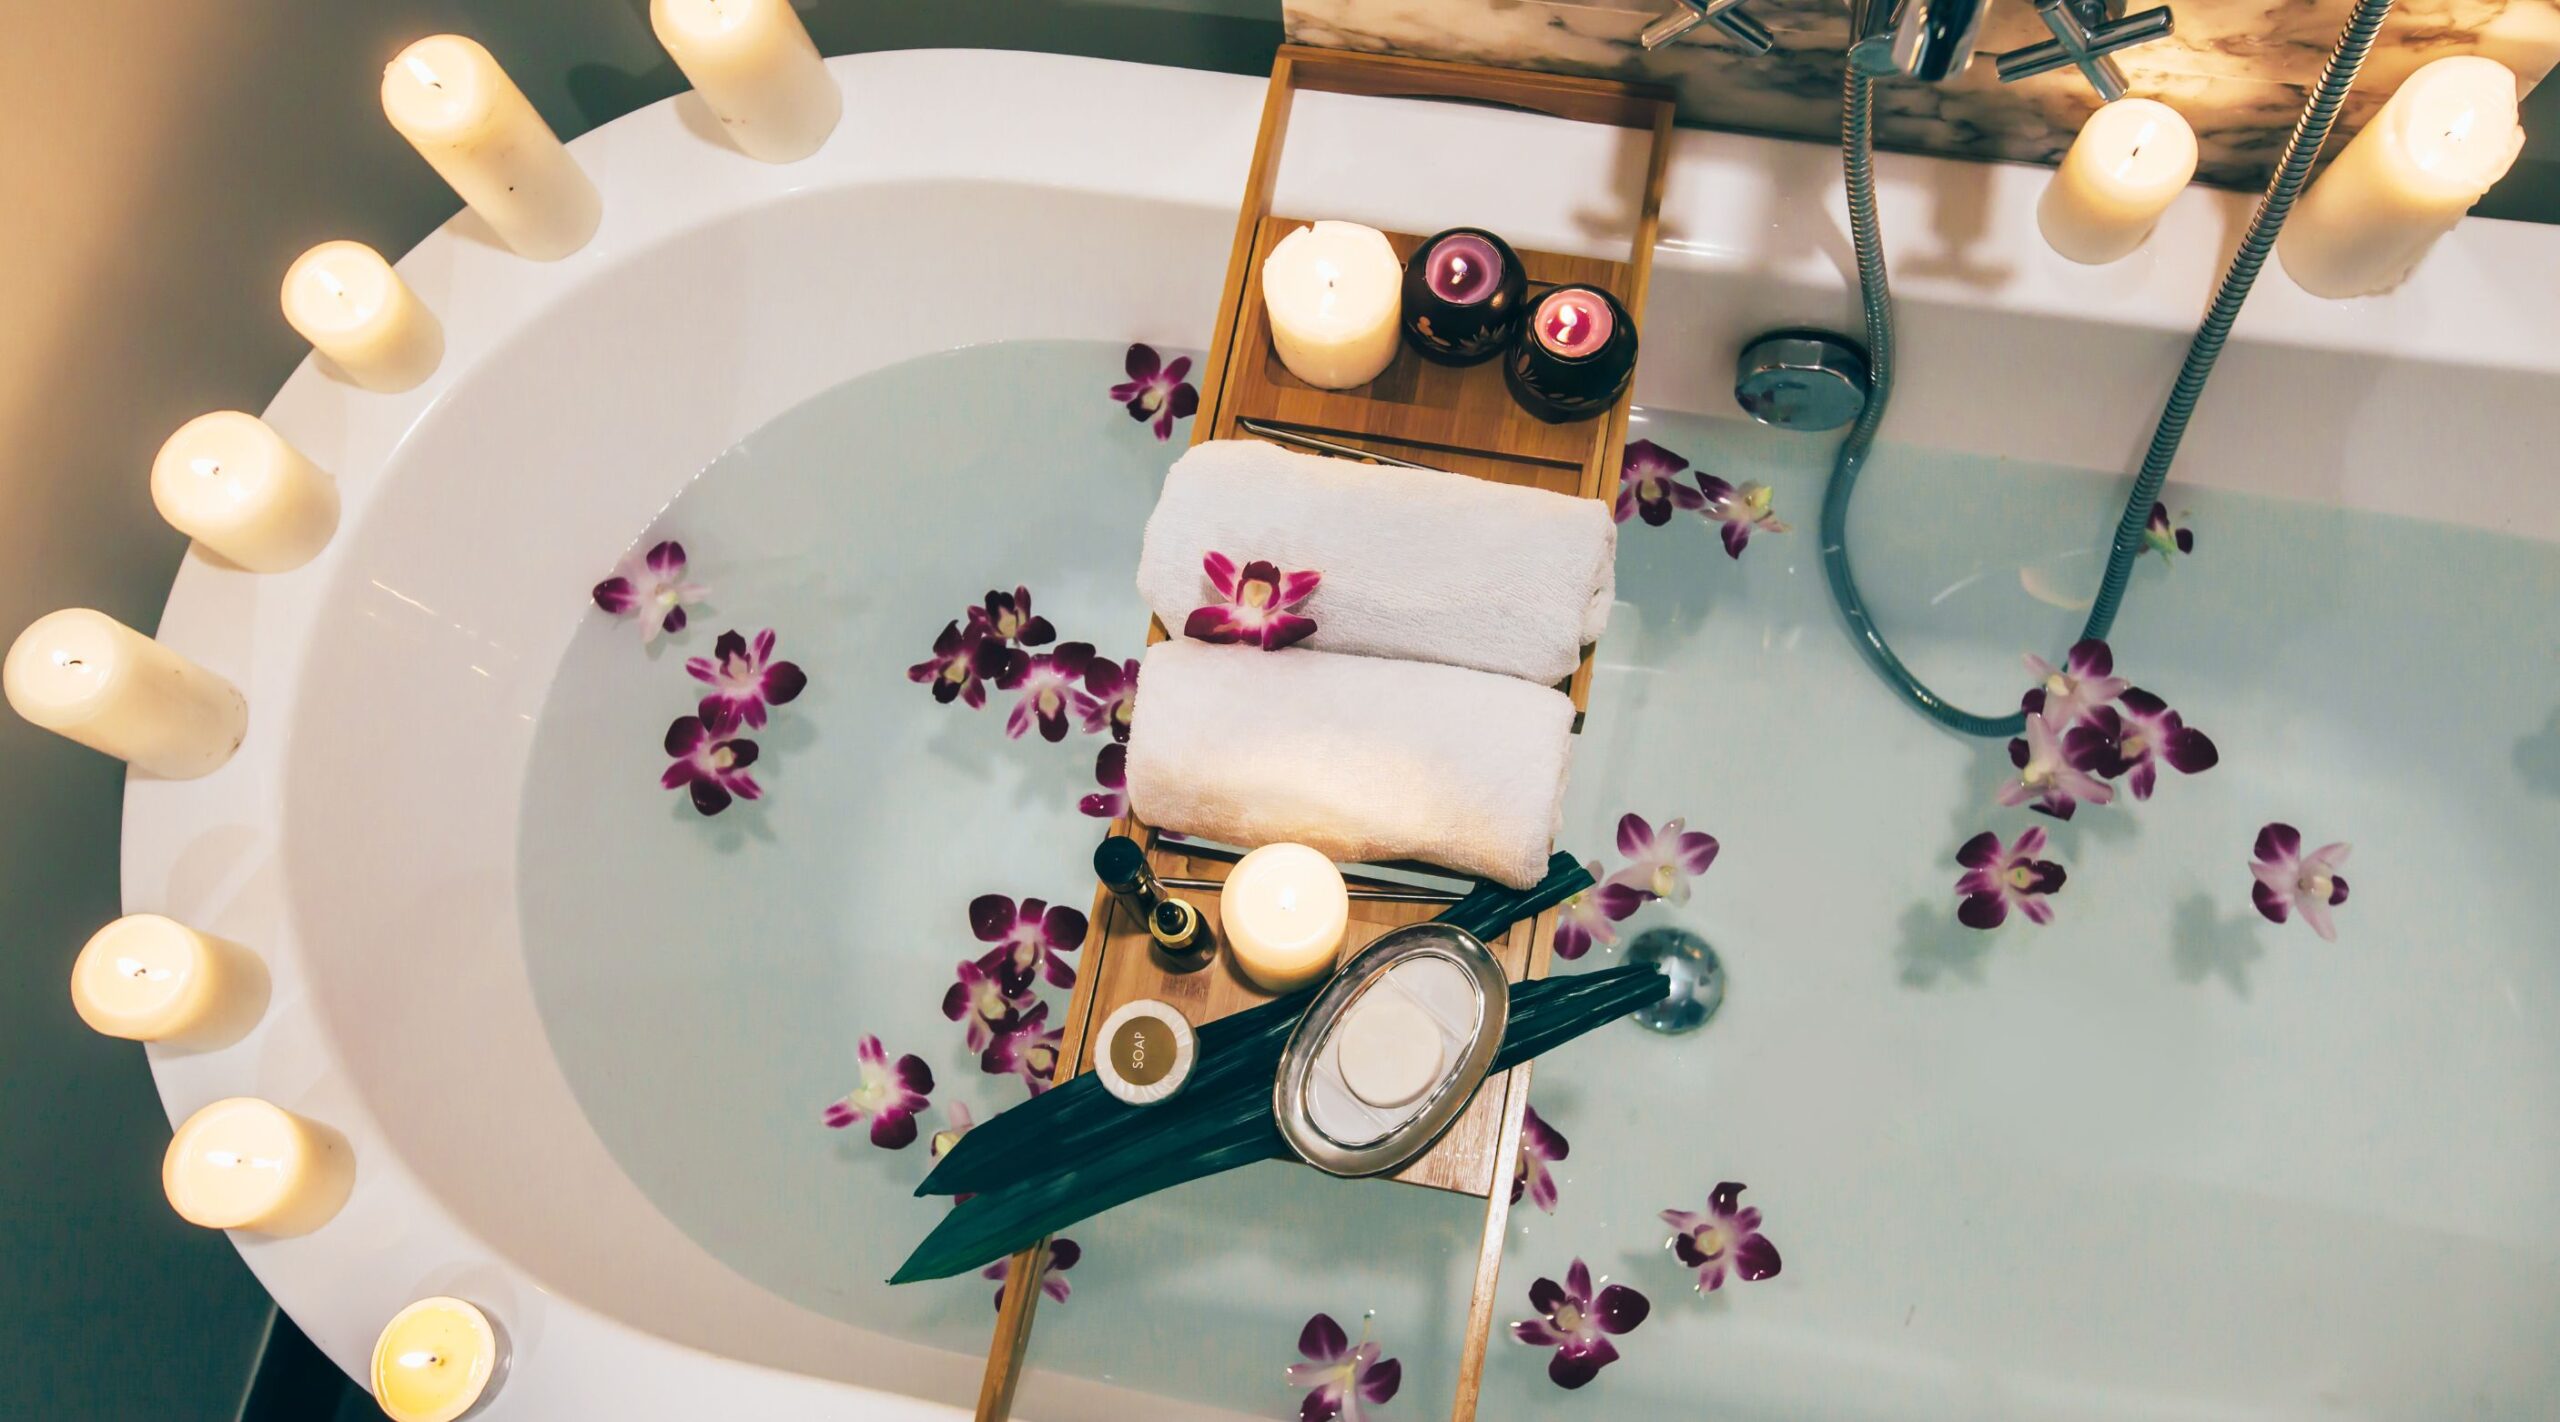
(424,75)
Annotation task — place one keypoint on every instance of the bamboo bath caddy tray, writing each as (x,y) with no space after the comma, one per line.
(1455,418)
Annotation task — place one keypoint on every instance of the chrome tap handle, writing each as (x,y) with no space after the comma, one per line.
(2085,38)
(1726,15)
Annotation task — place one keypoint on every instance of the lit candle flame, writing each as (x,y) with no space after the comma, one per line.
(418,69)
(135,968)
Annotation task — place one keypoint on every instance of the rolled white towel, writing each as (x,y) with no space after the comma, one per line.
(1416,563)
(1359,757)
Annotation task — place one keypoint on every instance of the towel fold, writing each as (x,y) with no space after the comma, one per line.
(1360,758)
(1416,563)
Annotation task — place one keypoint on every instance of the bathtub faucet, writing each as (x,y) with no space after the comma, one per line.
(1928,40)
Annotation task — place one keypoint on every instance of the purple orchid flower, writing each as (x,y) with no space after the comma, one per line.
(990,996)
(1028,1049)
(710,761)
(2167,537)
(652,586)
(1661,864)
(1048,686)
(2289,879)
(1109,698)
(1063,1254)
(1995,878)
(2128,741)
(1739,509)
(889,1097)
(1650,486)
(1111,772)
(963,662)
(1540,1146)
(2046,774)
(1007,617)
(1577,1323)
(2065,695)
(1028,936)
(1342,1380)
(1256,607)
(744,678)
(1585,918)
(957,1122)
(1155,390)
(1726,1236)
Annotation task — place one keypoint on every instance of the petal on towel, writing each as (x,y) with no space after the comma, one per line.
(1222,574)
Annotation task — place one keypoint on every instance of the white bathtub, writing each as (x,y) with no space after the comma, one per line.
(364,838)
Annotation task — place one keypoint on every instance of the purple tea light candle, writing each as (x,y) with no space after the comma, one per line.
(1463,294)
(1573,358)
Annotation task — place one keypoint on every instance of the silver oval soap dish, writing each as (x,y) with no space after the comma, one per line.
(1391,1050)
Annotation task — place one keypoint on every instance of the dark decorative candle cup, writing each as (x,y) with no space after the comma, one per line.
(1463,294)
(1573,357)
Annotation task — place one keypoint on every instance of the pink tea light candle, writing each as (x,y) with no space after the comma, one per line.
(1575,356)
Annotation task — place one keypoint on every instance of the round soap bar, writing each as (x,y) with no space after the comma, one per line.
(1148,1048)
(1390,1050)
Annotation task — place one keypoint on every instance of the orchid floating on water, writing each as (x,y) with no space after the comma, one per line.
(1048,685)
(964,660)
(1661,864)
(744,678)
(1541,1145)
(1997,878)
(1726,1236)
(2065,694)
(2167,537)
(1063,1254)
(1109,698)
(2129,740)
(1739,509)
(1007,617)
(2290,880)
(1578,1322)
(1586,918)
(991,995)
(1342,1380)
(1256,611)
(1028,1049)
(1156,390)
(1111,772)
(711,761)
(1028,936)
(889,1096)
(1650,486)
(652,588)
(2046,774)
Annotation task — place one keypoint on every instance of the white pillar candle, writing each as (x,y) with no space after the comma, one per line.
(152,979)
(449,98)
(433,1361)
(232,484)
(353,308)
(2131,159)
(754,65)
(2437,144)
(252,1165)
(1335,294)
(1284,909)
(84,675)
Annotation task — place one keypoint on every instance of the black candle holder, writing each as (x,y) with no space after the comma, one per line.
(1465,306)
(1558,387)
